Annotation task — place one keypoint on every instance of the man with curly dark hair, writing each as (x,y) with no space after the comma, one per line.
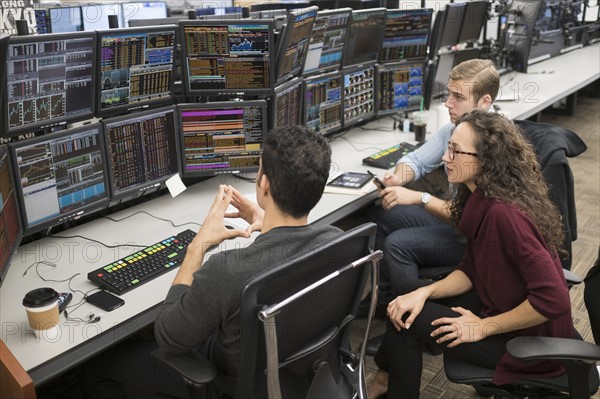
(509,282)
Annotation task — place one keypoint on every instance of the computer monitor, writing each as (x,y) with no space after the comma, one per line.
(286,104)
(95,16)
(143,10)
(445,63)
(65,19)
(51,80)
(473,20)
(11,232)
(359,94)
(400,87)
(524,12)
(222,137)
(142,150)
(365,35)
(227,57)
(406,35)
(135,23)
(135,68)
(323,103)
(327,41)
(452,22)
(41,21)
(60,176)
(4,40)
(293,43)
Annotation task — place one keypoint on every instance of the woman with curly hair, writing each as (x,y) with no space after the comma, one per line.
(510,281)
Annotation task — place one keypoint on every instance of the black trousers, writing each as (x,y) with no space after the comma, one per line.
(401,352)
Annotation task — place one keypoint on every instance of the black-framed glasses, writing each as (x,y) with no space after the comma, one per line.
(452,152)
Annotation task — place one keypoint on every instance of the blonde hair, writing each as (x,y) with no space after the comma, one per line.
(482,76)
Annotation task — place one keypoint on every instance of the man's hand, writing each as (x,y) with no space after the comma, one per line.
(459,330)
(247,210)
(213,230)
(398,195)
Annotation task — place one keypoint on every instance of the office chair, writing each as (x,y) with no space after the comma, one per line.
(295,320)
(579,358)
(15,383)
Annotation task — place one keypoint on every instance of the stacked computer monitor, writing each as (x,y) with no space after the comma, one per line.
(51,81)
(11,232)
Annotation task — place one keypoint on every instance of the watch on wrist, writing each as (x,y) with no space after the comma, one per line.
(425,199)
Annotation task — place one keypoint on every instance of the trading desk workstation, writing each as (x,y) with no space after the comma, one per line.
(63,261)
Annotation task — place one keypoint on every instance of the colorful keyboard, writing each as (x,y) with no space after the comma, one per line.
(387,158)
(138,268)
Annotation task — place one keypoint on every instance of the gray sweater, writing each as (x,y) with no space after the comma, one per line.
(211,305)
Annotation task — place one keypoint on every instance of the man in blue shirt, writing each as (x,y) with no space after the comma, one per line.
(413,229)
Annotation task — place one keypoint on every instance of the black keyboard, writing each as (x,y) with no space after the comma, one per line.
(387,158)
(138,268)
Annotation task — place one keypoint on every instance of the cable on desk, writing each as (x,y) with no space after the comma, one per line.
(153,216)
(103,244)
(250,179)
(357,149)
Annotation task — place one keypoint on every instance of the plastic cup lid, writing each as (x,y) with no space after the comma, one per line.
(40,297)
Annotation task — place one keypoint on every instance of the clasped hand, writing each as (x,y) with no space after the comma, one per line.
(213,231)
(467,327)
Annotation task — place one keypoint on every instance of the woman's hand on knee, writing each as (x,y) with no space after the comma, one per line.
(409,305)
(458,330)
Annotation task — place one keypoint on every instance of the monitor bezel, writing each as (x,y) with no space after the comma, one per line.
(365,117)
(63,120)
(4,41)
(205,173)
(389,14)
(311,79)
(148,186)
(167,99)
(471,7)
(242,92)
(96,206)
(346,60)
(328,14)
(73,7)
(4,152)
(272,106)
(388,66)
(284,43)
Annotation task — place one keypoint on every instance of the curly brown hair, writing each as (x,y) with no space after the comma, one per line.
(509,171)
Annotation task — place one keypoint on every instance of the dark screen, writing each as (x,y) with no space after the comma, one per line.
(453,17)
(474,18)
(364,36)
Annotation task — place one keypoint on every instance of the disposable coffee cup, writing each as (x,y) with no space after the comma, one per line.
(419,125)
(41,306)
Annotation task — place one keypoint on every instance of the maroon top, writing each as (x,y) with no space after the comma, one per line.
(507,261)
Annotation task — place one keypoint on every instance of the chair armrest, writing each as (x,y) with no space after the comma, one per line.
(547,348)
(192,366)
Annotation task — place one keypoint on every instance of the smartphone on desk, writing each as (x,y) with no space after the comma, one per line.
(105,301)
(378,183)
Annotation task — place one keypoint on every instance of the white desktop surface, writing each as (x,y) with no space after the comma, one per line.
(46,358)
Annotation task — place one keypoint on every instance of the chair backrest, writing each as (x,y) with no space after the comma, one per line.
(312,329)
(553,144)
(15,383)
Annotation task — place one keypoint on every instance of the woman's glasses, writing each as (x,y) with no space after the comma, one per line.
(452,152)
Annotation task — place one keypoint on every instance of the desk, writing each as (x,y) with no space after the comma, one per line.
(78,341)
